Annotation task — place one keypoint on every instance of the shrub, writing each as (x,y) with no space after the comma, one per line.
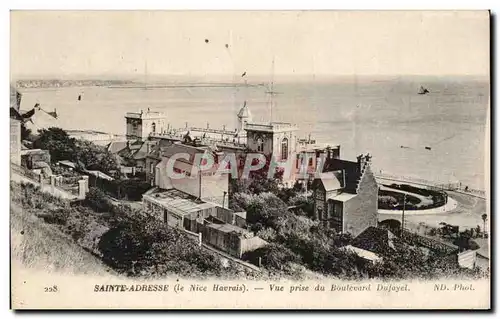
(387,201)
(58,216)
(97,200)
(145,246)
(273,256)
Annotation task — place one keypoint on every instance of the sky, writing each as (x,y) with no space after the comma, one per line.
(302,43)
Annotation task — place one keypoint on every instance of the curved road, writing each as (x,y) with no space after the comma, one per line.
(466,214)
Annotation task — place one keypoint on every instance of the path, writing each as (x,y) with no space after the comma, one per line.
(46,188)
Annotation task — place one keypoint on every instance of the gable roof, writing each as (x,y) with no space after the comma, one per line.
(375,239)
(15,98)
(330,181)
(142,152)
(116,146)
(183,149)
(136,145)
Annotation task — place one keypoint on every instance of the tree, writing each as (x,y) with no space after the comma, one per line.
(265,211)
(95,157)
(59,144)
(258,181)
(97,200)
(274,256)
(25,132)
(146,246)
(465,242)
(484,217)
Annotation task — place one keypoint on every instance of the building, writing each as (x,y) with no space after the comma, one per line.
(244,117)
(141,124)
(227,237)
(217,226)
(132,153)
(191,177)
(346,195)
(276,139)
(311,158)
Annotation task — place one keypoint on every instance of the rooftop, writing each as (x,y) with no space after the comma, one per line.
(116,146)
(145,115)
(363,253)
(309,147)
(228,228)
(33,151)
(330,181)
(176,201)
(271,127)
(99,174)
(67,163)
(342,197)
(178,148)
(374,239)
(245,112)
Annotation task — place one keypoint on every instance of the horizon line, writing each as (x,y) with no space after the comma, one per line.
(118,76)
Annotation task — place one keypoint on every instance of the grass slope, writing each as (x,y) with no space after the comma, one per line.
(36,244)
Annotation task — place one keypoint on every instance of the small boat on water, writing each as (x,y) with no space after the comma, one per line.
(79,97)
(423,90)
(428,148)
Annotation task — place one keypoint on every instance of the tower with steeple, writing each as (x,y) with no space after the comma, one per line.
(244,117)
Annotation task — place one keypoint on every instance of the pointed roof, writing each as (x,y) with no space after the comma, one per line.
(116,146)
(142,153)
(15,98)
(244,112)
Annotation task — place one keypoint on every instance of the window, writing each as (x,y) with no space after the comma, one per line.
(153,127)
(260,145)
(284,149)
(310,161)
(331,208)
(320,213)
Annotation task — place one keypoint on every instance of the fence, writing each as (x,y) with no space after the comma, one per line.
(22,175)
(56,185)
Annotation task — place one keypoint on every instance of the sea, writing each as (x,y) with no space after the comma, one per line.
(440,136)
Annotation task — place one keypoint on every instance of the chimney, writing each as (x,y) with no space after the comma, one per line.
(361,160)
